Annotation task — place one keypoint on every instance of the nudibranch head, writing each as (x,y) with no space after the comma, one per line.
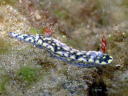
(105,59)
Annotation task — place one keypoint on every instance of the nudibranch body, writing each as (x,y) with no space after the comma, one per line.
(65,53)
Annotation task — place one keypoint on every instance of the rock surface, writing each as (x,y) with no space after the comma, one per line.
(29,71)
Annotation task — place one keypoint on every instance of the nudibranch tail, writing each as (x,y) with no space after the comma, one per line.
(65,53)
(22,37)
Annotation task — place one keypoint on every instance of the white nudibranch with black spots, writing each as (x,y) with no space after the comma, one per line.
(65,53)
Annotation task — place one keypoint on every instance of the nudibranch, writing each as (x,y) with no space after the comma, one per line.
(63,52)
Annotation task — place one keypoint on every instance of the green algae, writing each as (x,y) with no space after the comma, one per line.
(35,30)
(4,46)
(4,2)
(27,74)
(61,13)
(4,79)
(125,3)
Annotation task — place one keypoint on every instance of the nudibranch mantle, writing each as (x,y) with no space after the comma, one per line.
(65,53)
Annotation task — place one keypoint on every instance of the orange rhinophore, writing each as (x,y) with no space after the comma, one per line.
(104,44)
(48,31)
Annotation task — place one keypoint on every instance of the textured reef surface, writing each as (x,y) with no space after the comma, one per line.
(27,70)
